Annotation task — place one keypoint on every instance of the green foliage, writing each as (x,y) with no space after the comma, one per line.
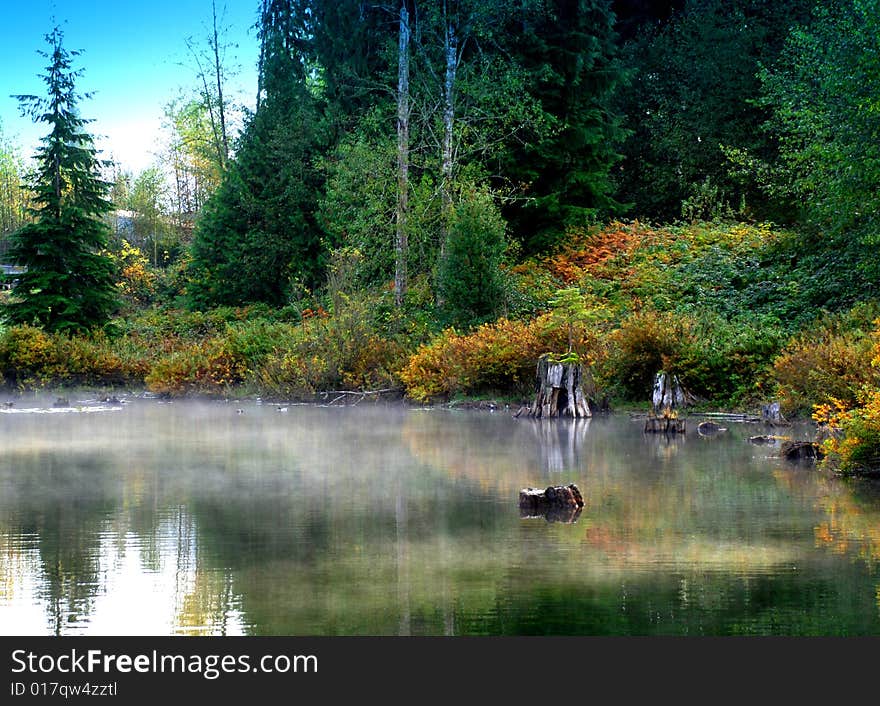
(69,282)
(569,312)
(470,280)
(258,234)
(826,117)
(692,97)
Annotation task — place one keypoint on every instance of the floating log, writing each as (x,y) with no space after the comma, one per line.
(709,428)
(665,425)
(801,451)
(559,390)
(766,440)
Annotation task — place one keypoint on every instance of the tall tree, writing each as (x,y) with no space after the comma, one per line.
(69,282)
(567,48)
(400,242)
(257,236)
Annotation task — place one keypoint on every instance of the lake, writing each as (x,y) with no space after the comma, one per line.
(195,518)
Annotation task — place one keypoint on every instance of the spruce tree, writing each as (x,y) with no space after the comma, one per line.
(68,283)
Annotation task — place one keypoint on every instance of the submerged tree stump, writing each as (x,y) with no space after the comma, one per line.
(559,390)
(559,503)
(667,397)
(665,425)
(801,451)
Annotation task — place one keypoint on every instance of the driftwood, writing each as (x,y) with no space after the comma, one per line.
(356,395)
(559,503)
(766,440)
(559,390)
(709,428)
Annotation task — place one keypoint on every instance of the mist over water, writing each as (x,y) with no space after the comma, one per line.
(157,518)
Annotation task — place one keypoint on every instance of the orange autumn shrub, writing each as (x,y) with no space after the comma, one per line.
(830,360)
(496,356)
(499,355)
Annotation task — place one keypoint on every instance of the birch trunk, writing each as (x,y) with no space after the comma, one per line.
(400,244)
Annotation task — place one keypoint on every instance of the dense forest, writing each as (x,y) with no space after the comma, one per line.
(429,195)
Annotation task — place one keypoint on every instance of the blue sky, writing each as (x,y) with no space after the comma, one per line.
(134,59)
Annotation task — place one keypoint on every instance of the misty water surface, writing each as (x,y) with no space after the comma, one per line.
(154,518)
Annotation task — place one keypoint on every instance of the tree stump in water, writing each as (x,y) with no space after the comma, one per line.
(668,394)
(665,425)
(560,503)
(801,451)
(559,390)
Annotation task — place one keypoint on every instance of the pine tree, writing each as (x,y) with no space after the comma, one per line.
(69,283)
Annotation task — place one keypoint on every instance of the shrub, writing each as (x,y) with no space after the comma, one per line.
(853,447)
(832,359)
(646,343)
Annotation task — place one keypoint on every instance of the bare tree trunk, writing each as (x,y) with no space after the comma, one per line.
(264,10)
(400,245)
(451,60)
(224,138)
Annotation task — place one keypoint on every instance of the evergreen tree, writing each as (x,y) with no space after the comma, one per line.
(470,278)
(69,282)
(567,47)
(257,234)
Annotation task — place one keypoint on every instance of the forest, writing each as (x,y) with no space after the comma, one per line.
(430,195)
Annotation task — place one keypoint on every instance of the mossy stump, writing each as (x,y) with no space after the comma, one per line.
(559,390)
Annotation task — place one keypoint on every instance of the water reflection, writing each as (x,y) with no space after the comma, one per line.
(189,518)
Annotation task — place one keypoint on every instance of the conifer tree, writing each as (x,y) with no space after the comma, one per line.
(258,234)
(68,283)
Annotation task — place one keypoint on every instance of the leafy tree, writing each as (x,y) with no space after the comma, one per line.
(13,197)
(691,99)
(69,282)
(191,154)
(471,280)
(823,93)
